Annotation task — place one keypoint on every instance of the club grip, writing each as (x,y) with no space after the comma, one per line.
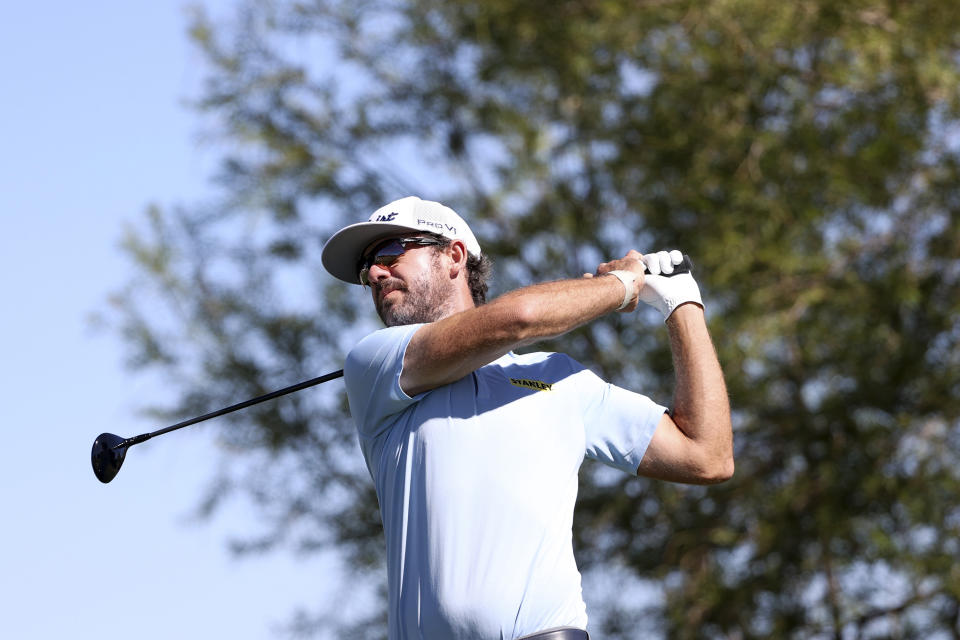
(684,267)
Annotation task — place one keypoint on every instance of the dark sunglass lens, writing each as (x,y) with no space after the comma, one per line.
(384,253)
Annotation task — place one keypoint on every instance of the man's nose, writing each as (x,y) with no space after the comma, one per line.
(377,272)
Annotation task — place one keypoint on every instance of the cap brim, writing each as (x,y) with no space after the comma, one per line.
(342,251)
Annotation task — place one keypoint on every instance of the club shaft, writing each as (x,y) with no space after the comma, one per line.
(684,267)
(234,407)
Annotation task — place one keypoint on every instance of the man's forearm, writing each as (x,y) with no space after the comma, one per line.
(552,309)
(452,347)
(701,406)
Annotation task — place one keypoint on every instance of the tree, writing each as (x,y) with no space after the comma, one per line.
(805,154)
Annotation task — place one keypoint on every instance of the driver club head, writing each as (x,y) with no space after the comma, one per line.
(106,458)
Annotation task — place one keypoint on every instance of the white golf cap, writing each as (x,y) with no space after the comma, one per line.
(342,251)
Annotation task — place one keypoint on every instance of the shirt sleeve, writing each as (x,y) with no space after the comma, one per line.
(618,423)
(372,376)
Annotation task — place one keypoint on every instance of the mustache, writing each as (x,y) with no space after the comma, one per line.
(388,284)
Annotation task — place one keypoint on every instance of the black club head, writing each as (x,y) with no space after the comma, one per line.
(107,457)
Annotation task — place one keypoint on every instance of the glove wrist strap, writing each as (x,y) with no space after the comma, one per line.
(627,278)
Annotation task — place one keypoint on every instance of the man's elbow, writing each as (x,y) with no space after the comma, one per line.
(716,464)
(717,471)
(711,457)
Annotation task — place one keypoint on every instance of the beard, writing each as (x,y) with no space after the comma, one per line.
(425,299)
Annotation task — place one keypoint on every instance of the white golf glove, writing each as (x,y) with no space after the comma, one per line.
(666,292)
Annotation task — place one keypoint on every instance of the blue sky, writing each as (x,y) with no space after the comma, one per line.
(94,129)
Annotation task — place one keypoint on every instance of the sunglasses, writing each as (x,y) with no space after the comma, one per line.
(386,253)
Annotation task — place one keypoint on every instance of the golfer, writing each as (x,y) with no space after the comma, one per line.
(475,449)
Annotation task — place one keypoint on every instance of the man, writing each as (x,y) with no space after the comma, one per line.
(475,450)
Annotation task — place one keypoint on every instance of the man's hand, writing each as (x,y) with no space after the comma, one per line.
(668,293)
(630,271)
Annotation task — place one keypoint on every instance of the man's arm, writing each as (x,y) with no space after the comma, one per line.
(448,349)
(695,443)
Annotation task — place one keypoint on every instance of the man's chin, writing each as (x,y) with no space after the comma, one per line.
(396,315)
(392,317)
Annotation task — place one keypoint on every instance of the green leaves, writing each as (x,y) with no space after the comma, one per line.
(805,155)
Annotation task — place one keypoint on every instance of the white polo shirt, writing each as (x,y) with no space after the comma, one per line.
(477,482)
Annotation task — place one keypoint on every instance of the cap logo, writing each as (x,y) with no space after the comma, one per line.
(437,225)
(387,218)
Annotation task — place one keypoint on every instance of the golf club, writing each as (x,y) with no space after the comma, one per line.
(109,450)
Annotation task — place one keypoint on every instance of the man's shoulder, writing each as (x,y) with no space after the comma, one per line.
(382,344)
(386,335)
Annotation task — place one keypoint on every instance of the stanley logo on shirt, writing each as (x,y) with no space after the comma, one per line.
(531,384)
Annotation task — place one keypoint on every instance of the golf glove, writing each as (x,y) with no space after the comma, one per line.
(663,292)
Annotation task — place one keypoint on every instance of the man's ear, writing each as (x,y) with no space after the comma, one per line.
(458,258)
